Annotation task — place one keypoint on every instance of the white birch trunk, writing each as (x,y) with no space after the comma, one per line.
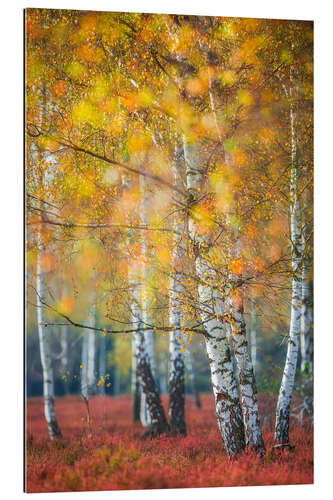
(176,355)
(163,373)
(44,331)
(135,385)
(288,378)
(306,339)
(102,362)
(157,421)
(228,410)
(64,362)
(192,378)
(145,301)
(84,366)
(247,384)
(91,354)
(45,354)
(253,342)
(176,363)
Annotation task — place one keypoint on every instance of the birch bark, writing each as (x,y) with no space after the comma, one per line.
(64,357)
(253,341)
(43,331)
(84,366)
(135,385)
(306,339)
(288,378)
(45,353)
(176,356)
(192,378)
(102,362)
(228,409)
(156,421)
(247,384)
(146,306)
(91,378)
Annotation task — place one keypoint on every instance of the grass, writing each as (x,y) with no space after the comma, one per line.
(115,458)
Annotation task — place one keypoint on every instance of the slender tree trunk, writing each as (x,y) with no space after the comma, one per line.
(64,357)
(43,330)
(176,356)
(288,378)
(306,339)
(84,376)
(102,363)
(253,341)
(228,409)
(91,354)
(176,364)
(135,385)
(163,373)
(146,305)
(158,423)
(45,354)
(192,379)
(84,366)
(247,384)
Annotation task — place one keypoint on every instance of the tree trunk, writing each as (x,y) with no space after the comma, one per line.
(45,354)
(228,409)
(64,357)
(102,363)
(43,330)
(158,423)
(192,379)
(253,342)
(146,304)
(91,354)
(135,385)
(176,356)
(247,384)
(163,373)
(306,339)
(288,378)
(176,364)
(84,366)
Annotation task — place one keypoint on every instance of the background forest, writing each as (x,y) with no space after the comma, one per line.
(169,246)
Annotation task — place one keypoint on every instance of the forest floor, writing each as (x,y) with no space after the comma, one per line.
(115,458)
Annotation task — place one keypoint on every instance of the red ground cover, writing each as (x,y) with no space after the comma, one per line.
(115,458)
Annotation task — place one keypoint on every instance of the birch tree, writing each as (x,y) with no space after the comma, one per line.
(102,362)
(246,377)
(153,415)
(192,378)
(44,179)
(228,409)
(45,351)
(288,378)
(176,360)
(64,361)
(135,385)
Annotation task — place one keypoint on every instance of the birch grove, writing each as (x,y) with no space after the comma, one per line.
(177,224)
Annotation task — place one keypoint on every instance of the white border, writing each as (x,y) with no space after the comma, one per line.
(11,233)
